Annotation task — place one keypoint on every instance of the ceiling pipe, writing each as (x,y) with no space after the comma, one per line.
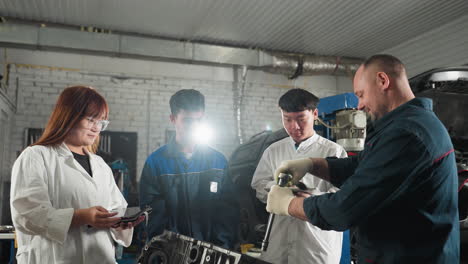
(294,65)
(76,40)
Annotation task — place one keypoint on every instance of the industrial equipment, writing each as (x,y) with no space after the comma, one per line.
(448,89)
(121,175)
(173,248)
(341,121)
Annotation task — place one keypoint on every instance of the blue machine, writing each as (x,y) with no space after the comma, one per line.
(330,104)
(327,108)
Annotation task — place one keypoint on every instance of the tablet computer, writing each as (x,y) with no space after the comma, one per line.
(132,214)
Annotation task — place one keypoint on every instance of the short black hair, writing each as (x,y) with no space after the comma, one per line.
(188,100)
(389,64)
(298,100)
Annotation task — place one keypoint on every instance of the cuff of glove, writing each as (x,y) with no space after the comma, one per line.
(285,206)
(279,200)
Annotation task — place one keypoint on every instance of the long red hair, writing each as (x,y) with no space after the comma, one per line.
(73,104)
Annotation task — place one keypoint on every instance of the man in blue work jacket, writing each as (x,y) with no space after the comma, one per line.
(185,183)
(401,191)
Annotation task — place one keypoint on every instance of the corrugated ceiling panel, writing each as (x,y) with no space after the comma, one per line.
(440,47)
(339,27)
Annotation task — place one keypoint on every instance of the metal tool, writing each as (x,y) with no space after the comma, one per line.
(283,180)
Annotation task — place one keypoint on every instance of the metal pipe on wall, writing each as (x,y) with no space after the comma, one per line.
(238,102)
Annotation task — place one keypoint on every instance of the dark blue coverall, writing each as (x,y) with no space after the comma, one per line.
(400,192)
(192,197)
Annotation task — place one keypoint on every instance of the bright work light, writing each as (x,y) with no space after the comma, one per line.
(202,134)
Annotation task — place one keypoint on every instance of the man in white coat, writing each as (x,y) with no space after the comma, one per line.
(293,240)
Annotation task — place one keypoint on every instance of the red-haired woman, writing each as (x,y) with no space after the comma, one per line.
(61,191)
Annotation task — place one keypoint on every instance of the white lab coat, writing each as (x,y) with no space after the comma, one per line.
(292,240)
(47,185)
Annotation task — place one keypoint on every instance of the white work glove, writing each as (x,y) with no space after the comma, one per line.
(296,168)
(279,199)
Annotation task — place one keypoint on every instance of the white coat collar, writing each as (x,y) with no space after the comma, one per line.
(306,143)
(63,150)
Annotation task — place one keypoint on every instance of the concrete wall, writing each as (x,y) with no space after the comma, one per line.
(138,93)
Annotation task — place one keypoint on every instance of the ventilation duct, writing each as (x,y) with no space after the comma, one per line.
(73,39)
(294,65)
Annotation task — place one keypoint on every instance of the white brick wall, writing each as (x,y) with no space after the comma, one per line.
(140,103)
(6,124)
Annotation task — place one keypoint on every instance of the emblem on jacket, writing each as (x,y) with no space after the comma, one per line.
(213,187)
